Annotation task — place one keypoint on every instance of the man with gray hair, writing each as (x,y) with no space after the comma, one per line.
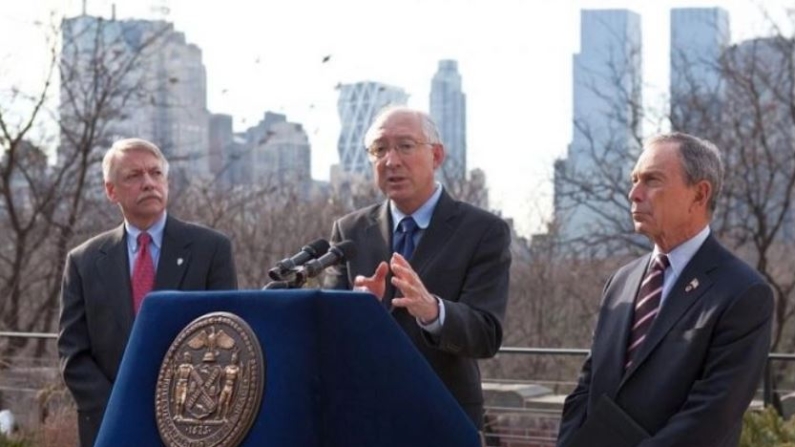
(684,331)
(107,277)
(441,266)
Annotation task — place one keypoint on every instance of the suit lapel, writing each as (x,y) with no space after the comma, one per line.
(680,299)
(622,306)
(113,266)
(174,256)
(379,234)
(379,240)
(437,234)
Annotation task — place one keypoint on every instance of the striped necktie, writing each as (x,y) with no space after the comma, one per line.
(647,305)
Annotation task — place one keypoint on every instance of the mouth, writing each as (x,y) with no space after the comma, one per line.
(393,179)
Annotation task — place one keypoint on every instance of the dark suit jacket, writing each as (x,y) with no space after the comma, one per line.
(96,299)
(697,371)
(463,258)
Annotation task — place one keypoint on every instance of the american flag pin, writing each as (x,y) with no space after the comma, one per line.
(692,286)
(180,261)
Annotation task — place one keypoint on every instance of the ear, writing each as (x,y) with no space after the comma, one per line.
(703,193)
(110,192)
(439,154)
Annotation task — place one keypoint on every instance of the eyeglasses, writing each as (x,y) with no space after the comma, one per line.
(404,146)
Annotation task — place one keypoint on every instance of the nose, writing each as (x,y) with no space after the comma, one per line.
(149,181)
(634,193)
(392,158)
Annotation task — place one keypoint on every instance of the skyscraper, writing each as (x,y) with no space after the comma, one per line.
(607,109)
(283,155)
(275,153)
(448,110)
(221,137)
(137,78)
(699,37)
(357,106)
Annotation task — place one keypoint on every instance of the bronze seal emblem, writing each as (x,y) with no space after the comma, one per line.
(211,383)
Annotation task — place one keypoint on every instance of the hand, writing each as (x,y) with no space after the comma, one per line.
(415,299)
(375,284)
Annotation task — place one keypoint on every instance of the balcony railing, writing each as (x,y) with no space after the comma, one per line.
(540,422)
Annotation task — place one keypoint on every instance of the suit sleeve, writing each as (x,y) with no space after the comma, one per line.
(473,323)
(222,274)
(732,370)
(336,277)
(575,408)
(89,386)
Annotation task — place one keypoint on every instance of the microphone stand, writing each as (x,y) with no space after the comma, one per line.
(277,285)
(296,280)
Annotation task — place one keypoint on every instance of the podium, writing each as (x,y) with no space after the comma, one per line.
(339,372)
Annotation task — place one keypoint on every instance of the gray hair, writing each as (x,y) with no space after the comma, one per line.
(701,160)
(128,145)
(429,129)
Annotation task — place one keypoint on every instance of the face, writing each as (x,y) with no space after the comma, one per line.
(664,207)
(406,178)
(140,187)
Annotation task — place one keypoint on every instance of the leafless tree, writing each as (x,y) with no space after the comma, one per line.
(47,208)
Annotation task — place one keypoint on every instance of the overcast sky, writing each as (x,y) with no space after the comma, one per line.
(515,58)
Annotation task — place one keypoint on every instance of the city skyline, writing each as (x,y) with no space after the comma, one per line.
(517,76)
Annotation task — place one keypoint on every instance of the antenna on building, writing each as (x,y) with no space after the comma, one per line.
(113,12)
(85,7)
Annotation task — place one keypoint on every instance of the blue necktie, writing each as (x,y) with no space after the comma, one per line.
(404,239)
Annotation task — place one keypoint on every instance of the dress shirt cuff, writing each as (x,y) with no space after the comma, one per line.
(435,326)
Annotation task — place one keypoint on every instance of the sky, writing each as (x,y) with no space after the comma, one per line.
(515,59)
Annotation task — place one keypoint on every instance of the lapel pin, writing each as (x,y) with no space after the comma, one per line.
(692,286)
(180,261)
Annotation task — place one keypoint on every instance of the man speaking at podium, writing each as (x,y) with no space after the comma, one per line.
(441,266)
(107,277)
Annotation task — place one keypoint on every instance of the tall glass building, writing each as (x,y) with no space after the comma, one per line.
(148,80)
(699,37)
(607,109)
(448,110)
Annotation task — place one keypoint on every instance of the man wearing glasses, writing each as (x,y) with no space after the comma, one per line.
(441,266)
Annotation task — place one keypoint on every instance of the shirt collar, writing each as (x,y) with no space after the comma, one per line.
(423,214)
(680,256)
(155,232)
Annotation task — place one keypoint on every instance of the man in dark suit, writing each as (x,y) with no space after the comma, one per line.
(683,333)
(106,277)
(449,288)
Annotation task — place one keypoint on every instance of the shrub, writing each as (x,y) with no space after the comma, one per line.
(765,428)
(8,442)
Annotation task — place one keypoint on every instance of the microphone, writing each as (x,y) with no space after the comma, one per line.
(337,254)
(307,253)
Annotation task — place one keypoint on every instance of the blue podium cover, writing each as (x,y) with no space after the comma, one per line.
(339,373)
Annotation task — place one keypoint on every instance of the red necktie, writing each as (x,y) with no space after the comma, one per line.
(647,305)
(143,277)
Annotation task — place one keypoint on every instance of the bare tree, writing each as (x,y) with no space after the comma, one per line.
(46,207)
(591,184)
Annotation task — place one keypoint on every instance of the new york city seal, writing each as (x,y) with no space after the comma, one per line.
(211,383)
